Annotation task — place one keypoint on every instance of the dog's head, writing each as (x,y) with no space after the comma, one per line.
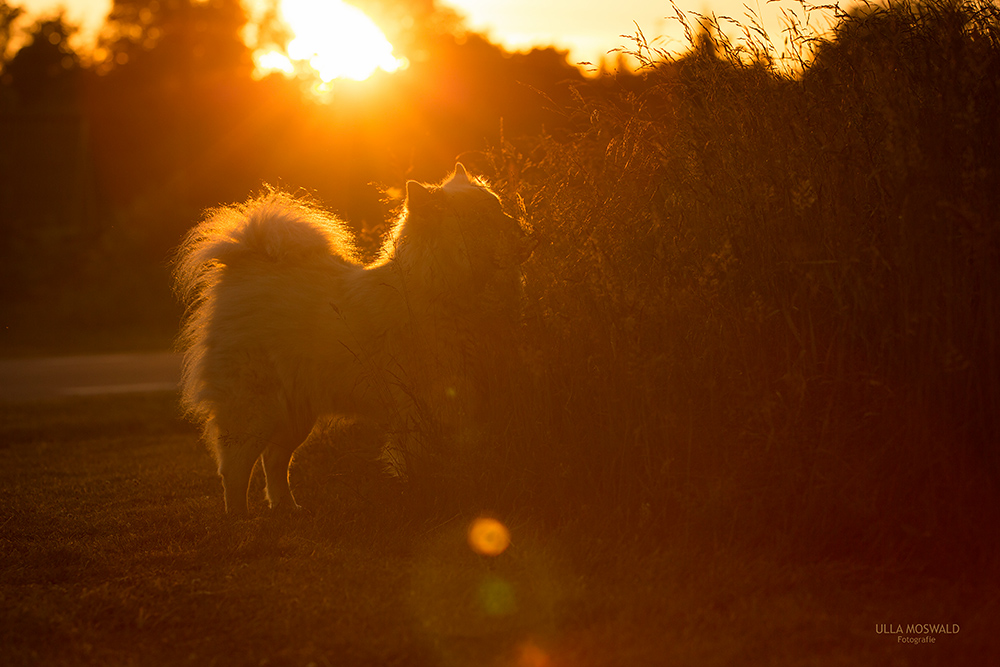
(462,223)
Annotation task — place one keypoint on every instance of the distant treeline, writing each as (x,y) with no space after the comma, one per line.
(107,157)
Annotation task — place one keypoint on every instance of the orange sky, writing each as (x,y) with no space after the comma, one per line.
(588,28)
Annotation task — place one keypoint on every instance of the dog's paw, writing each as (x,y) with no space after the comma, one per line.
(289,510)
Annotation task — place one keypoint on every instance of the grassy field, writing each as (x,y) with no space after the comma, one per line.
(115,551)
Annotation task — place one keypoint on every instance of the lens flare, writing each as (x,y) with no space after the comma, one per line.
(488,537)
(333,39)
(496,597)
(531,655)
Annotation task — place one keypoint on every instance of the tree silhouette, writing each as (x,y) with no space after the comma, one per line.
(8,15)
(180,38)
(46,71)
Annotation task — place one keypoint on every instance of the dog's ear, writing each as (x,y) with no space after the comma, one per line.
(418,197)
(461,175)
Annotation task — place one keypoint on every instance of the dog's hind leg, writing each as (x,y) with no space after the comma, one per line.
(239,438)
(276,459)
(237,454)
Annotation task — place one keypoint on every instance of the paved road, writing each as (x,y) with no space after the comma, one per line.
(30,379)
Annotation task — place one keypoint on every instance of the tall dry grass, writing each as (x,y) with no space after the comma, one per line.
(765,309)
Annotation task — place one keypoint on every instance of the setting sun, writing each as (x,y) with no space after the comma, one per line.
(333,39)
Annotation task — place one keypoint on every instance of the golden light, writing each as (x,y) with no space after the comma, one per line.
(272,61)
(488,537)
(333,39)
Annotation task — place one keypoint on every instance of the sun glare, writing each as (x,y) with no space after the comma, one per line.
(333,39)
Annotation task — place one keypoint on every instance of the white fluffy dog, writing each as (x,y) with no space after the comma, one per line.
(284,324)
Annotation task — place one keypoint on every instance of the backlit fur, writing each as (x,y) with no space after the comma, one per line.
(284,324)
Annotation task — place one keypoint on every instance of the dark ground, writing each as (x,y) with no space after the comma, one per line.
(85,375)
(115,552)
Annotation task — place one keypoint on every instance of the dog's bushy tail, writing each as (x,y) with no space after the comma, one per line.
(273,228)
(270,230)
